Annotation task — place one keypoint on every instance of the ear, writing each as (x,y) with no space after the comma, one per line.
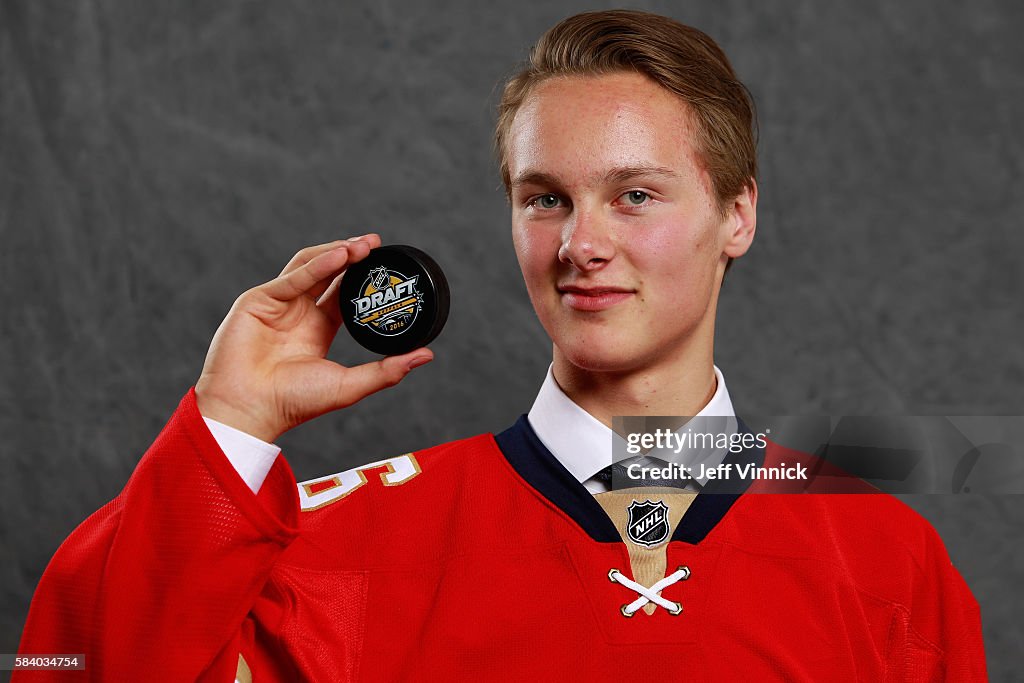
(742,222)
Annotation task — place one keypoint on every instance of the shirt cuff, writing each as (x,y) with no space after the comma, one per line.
(252,458)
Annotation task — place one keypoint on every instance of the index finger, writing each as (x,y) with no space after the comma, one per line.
(314,275)
(307,254)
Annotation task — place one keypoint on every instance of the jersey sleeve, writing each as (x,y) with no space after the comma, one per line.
(939,633)
(156,584)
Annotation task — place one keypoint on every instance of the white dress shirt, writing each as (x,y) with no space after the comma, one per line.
(584,445)
(575,437)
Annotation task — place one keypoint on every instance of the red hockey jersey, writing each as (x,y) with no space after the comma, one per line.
(484,559)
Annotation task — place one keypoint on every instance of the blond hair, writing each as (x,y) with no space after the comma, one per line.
(677,57)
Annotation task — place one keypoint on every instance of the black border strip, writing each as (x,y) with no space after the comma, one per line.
(532,460)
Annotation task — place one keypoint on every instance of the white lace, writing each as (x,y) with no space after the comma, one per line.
(652,594)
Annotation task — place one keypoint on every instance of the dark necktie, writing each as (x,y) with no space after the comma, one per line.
(616,476)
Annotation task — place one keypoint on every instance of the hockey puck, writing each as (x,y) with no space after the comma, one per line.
(395,300)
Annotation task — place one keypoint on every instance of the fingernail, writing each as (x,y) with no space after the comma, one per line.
(416,362)
(355,239)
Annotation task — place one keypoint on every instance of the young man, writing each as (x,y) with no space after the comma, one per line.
(628,154)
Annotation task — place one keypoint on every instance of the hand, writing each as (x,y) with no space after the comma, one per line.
(266,370)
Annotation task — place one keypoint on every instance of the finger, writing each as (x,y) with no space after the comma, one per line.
(362,380)
(307,254)
(314,275)
(328,301)
(328,297)
(358,249)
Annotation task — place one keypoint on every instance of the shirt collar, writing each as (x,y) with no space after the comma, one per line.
(581,442)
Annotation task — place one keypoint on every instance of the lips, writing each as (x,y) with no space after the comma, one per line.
(593,297)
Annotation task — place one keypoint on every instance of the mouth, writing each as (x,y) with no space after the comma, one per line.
(593,298)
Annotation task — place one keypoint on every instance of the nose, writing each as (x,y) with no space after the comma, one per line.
(586,242)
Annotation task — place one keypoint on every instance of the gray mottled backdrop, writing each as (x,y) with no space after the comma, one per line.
(157,159)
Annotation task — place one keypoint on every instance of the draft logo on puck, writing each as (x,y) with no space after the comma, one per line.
(389,303)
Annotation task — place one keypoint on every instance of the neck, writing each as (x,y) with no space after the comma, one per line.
(680,386)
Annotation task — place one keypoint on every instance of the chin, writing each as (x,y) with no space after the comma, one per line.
(602,355)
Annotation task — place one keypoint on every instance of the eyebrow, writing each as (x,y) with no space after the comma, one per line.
(616,175)
(630,172)
(533,177)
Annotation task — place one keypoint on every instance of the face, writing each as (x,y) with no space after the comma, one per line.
(619,236)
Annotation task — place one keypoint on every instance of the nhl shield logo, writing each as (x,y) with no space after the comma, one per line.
(647,524)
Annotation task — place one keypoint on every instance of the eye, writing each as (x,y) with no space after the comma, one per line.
(545,201)
(636,197)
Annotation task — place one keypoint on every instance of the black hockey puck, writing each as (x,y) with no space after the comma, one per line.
(395,300)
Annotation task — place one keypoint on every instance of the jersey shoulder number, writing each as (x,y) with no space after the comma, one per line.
(316,493)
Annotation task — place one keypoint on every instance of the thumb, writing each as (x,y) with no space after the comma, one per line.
(368,378)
